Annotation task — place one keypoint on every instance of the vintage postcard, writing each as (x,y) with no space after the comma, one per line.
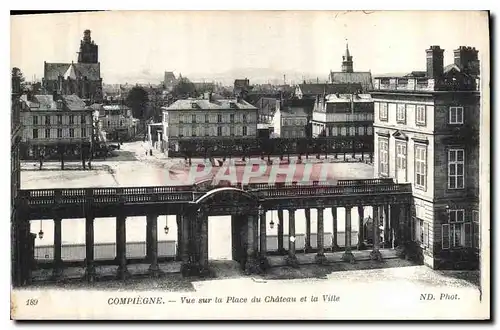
(313,165)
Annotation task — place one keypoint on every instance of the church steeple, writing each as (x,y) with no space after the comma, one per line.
(88,49)
(347,64)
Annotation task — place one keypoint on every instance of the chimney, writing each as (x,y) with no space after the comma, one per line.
(210,97)
(434,62)
(466,58)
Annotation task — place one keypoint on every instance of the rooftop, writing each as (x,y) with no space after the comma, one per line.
(204,104)
(47,103)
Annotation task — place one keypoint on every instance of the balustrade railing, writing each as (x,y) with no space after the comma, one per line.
(136,195)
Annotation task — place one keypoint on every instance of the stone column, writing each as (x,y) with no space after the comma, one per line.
(148,237)
(89,249)
(395,229)
(203,247)
(291,258)
(251,264)
(348,256)
(153,236)
(58,270)
(375,254)
(263,237)
(121,256)
(361,228)
(335,246)
(320,237)
(178,221)
(387,226)
(185,244)
(281,249)
(307,247)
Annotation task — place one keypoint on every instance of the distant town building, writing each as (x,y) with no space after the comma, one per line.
(290,122)
(349,76)
(169,80)
(241,87)
(311,91)
(117,122)
(343,115)
(427,134)
(52,121)
(82,78)
(208,118)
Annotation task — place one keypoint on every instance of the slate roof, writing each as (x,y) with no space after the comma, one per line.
(206,105)
(295,112)
(319,89)
(47,103)
(90,70)
(363,78)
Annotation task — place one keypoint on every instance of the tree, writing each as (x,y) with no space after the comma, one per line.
(137,100)
(18,82)
(184,89)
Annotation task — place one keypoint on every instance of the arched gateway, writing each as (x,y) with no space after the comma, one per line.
(243,207)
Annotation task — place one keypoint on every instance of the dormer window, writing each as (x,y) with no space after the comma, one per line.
(194,105)
(232,105)
(59,105)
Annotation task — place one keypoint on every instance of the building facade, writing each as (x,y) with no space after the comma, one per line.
(82,78)
(427,134)
(208,118)
(116,121)
(343,115)
(290,123)
(54,121)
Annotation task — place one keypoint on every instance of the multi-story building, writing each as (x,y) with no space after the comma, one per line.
(82,78)
(116,121)
(54,121)
(343,115)
(347,75)
(290,122)
(427,133)
(208,118)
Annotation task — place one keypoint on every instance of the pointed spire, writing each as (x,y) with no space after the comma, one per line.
(347,54)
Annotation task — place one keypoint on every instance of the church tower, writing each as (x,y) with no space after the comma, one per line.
(347,65)
(88,50)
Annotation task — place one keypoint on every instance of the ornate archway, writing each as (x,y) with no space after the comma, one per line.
(242,206)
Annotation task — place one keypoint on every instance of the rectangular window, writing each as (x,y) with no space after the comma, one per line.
(401,114)
(383,145)
(82,119)
(219,130)
(456,115)
(352,131)
(35,133)
(206,118)
(401,155)
(422,232)
(456,168)
(361,130)
(244,130)
(231,118)
(84,132)
(59,133)
(35,120)
(343,131)
(181,131)
(476,229)
(420,115)
(369,130)
(71,132)
(383,116)
(181,119)
(231,130)
(47,133)
(219,118)
(456,233)
(47,120)
(244,118)
(59,119)
(71,119)
(420,167)
(193,119)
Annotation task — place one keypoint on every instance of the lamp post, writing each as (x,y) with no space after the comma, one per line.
(271,224)
(166,229)
(40,233)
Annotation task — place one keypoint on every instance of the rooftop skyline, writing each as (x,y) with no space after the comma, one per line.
(140,46)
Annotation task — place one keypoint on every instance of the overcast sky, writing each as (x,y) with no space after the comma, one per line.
(145,44)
